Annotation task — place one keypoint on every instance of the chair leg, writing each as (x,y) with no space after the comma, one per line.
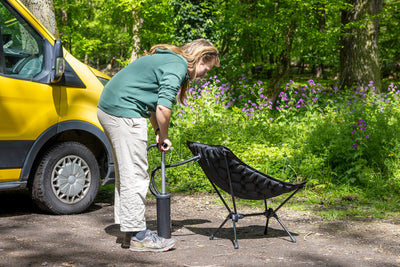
(266,227)
(283,226)
(219,228)
(234,232)
(235,218)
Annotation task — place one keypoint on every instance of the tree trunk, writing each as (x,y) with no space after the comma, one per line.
(135,37)
(65,36)
(359,61)
(43,10)
(283,65)
(320,13)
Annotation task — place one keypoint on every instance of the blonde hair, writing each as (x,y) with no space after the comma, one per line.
(193,52)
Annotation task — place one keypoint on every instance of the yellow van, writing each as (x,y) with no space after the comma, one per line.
(50,139)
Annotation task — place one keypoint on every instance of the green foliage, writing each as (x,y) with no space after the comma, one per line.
(255,34)
(157,26)
(251,35)
(389,39)
(95,31)
(327,137)
(194,20)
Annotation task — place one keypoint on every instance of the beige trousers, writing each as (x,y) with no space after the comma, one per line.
(128,138)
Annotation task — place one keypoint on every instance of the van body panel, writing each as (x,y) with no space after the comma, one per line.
(13,153)
(7,174)
(80,103)
(27,108)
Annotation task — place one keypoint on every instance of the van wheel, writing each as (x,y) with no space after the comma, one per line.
(67,179)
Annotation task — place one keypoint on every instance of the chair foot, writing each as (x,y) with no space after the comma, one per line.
(284,228)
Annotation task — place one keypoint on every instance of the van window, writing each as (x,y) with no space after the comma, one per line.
(21,48)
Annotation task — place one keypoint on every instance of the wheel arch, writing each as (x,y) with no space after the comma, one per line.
(81,131)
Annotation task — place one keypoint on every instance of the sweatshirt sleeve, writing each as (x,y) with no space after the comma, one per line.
(173,75)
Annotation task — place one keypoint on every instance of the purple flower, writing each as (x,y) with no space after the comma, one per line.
(354,146)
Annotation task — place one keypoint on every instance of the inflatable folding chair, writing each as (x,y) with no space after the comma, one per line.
(229,173)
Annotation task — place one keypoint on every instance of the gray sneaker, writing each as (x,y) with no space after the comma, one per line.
(152,242)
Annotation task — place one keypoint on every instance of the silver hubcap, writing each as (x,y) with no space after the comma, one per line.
(70,179)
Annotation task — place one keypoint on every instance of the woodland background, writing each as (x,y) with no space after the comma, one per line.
(307,90)
(353,41)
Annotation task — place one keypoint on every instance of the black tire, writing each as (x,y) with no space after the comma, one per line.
(67,179)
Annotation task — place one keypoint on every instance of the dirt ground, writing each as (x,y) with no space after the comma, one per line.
(32,238)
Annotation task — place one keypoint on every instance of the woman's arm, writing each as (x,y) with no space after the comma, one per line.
(160,120)
(153,121)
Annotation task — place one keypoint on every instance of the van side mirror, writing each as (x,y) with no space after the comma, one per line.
(58,66)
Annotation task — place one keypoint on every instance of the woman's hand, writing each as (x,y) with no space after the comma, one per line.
(164,145)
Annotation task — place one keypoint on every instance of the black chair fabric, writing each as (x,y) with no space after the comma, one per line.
(247,182)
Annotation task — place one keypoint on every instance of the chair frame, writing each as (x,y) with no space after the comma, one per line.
(235,216)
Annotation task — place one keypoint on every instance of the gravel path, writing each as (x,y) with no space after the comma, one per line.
(31,238)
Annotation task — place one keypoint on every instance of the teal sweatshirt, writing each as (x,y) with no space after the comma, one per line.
(145,83)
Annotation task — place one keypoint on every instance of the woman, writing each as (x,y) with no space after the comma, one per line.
(146,88)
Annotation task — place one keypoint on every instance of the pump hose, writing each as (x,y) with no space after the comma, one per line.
(153,188)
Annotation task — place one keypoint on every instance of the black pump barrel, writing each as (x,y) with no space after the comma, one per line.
(164,225)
